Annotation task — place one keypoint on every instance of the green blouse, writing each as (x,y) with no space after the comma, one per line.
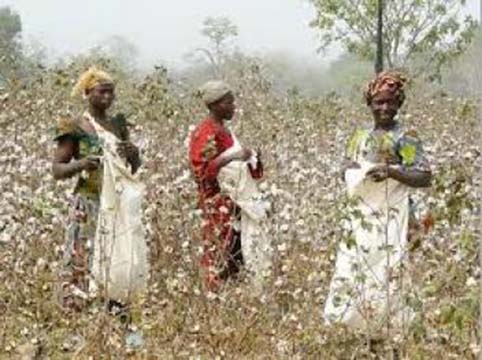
(397,146)
(89,183)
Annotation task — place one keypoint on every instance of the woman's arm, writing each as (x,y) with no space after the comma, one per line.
(126,148)
(415,170)
(224,159)
(65,165)
(130,152)
(410,177)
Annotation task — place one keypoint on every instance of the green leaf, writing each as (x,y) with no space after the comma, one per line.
(355,142)
(387,140)
(408,153)
(447,314)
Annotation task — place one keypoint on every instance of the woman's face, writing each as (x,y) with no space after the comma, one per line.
(102,96)
(225,107)
(384,107)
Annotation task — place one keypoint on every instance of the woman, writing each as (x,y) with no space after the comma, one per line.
(384,163)
(215,153)
(105,245)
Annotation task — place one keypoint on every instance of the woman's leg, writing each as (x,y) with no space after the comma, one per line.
(80,230)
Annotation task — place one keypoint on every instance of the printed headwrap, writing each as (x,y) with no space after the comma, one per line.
(392,82)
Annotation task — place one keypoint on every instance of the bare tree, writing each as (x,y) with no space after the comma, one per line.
(218,30)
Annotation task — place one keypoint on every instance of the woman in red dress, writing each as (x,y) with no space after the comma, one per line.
(222,255)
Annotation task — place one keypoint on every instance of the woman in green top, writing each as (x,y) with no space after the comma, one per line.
(384,164)
(78,154)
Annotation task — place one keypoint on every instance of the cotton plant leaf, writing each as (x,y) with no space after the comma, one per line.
(387,141)
(386,145)
(408,152)
(355,142)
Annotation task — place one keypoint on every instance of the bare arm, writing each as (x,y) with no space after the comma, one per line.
(224,159)
(416,173)
(65,165)
(410,177)
(129,151)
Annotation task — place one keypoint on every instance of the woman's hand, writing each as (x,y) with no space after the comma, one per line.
(89,163)
(347,165)
(130,152)
(127,150)
(243,154)
(379,173)
(225,158)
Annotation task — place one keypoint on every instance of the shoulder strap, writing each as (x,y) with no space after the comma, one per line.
(120,124)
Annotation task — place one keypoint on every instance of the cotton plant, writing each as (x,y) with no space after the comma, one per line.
(303,141)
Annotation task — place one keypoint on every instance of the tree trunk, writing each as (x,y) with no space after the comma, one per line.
(379,56)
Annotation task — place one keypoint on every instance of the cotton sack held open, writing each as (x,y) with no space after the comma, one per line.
(368,284)
(235,180)
(119,266)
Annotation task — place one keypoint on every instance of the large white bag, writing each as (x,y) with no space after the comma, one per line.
(120,252)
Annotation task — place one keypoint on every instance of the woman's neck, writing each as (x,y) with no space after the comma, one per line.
(98,114)
(387,126)
(218,119)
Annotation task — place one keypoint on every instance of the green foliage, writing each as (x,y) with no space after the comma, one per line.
(10,26)
(347,75)
(10,49)
(354,143)
(421,34)
(408,152)
(386,144)
(465,76)
(218,30)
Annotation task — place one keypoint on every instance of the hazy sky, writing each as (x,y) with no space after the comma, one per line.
(168,29)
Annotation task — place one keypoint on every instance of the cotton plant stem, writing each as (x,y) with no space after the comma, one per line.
(479,215)
(477,84)
(387,273)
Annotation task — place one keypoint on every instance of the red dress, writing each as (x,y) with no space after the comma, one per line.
(222,255)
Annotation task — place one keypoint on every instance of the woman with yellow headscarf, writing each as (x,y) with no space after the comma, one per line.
(384,163)
(105,248)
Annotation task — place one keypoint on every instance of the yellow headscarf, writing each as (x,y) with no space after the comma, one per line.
(90,79)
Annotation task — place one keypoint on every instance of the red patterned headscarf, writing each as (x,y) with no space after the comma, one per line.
(389,81)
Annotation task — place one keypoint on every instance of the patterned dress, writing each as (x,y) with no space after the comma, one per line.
(369,283)
(397,146)
(82,215)
(222,256)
